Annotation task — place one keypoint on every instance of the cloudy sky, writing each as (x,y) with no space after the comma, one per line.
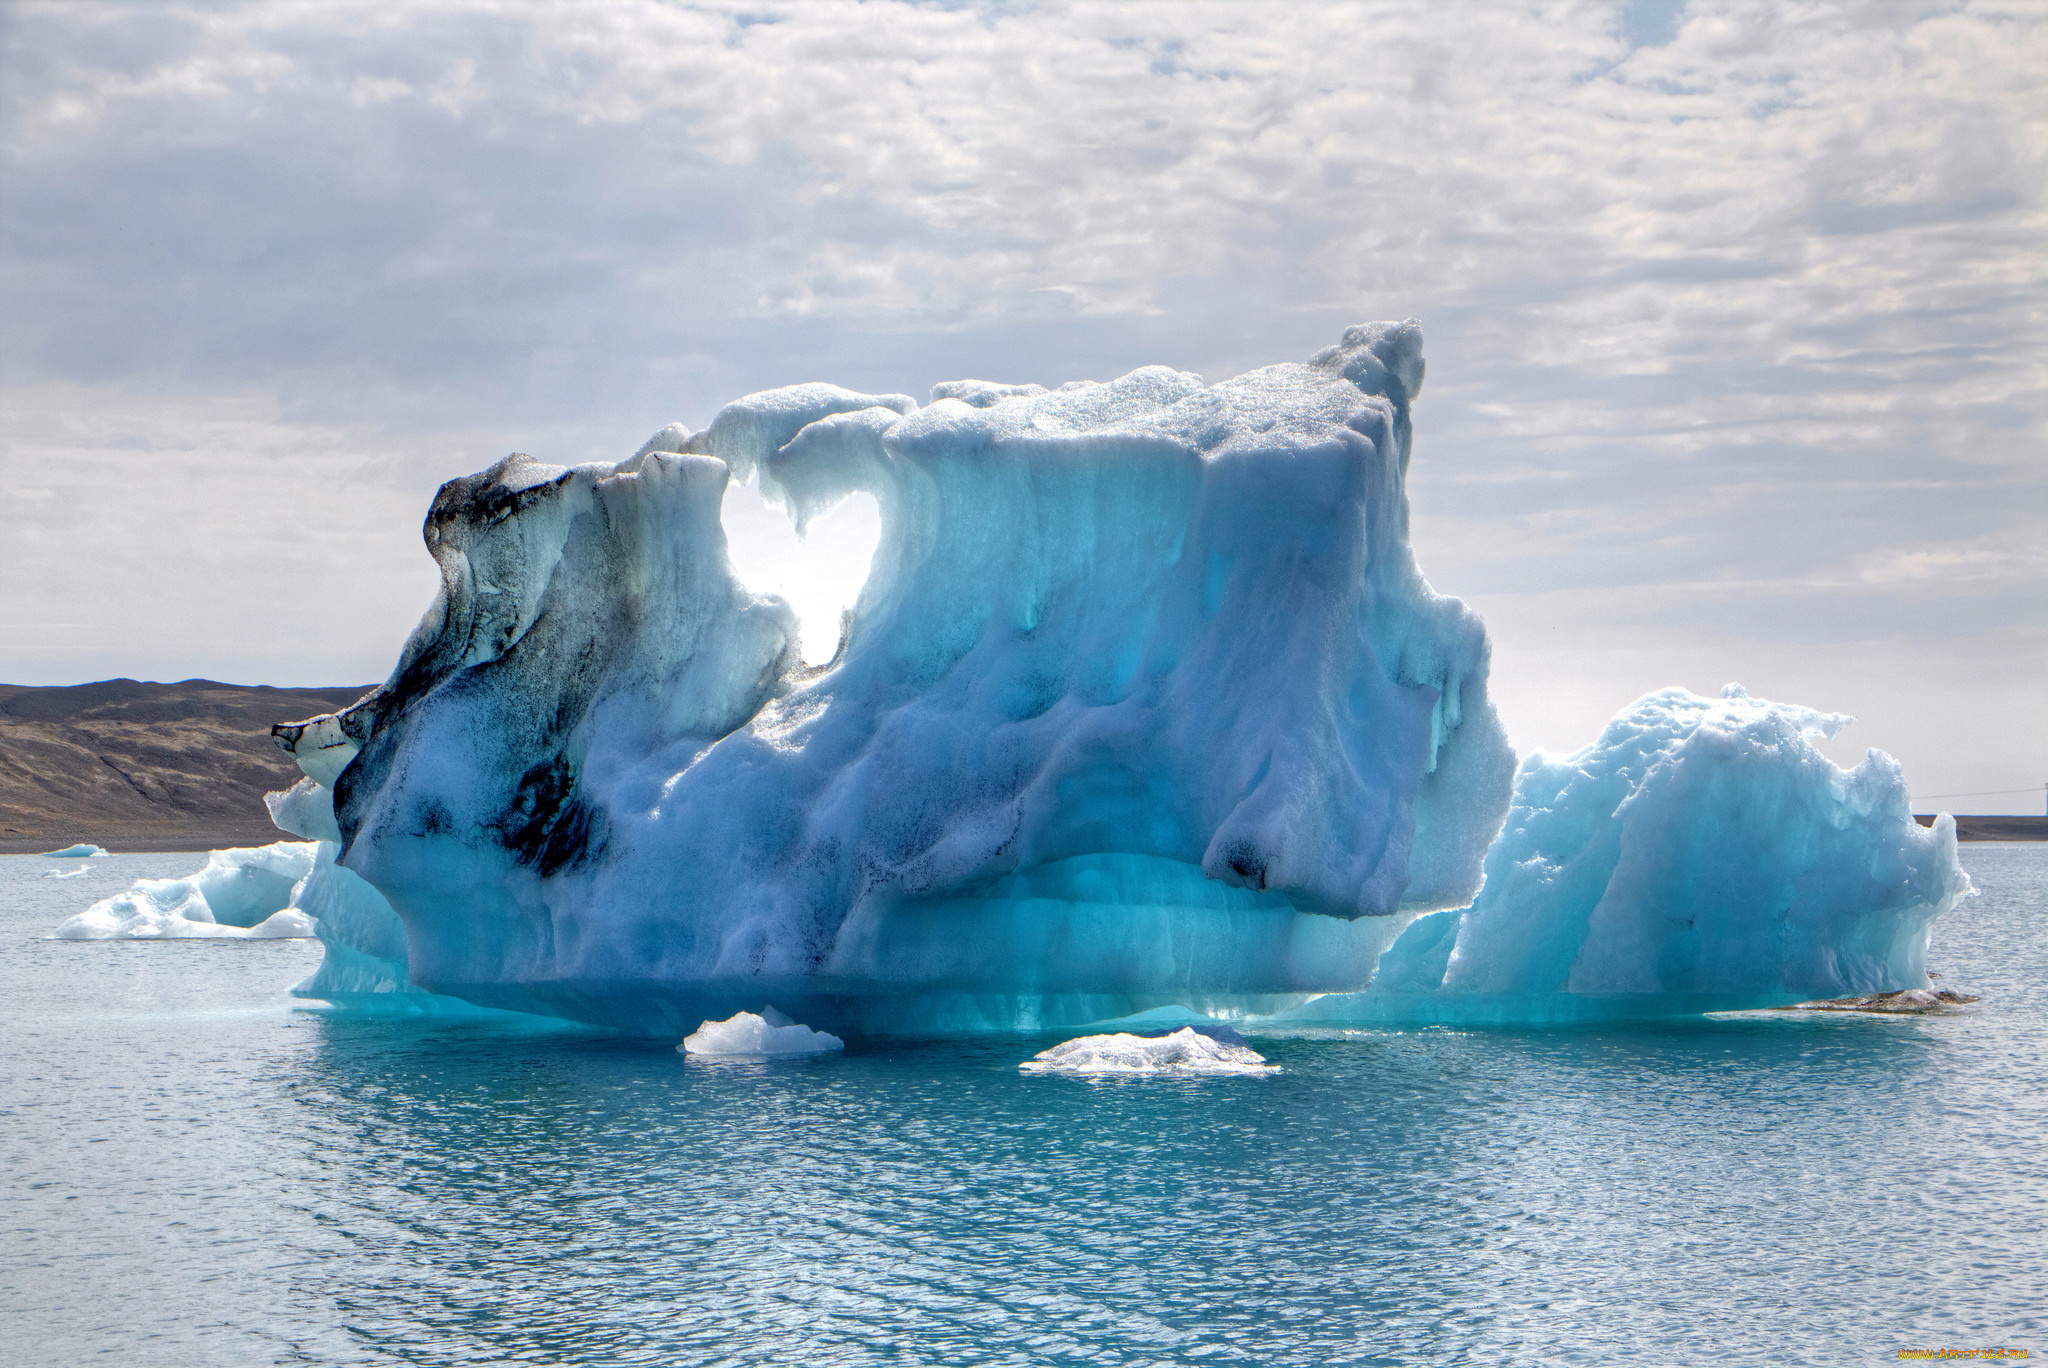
(1734,311)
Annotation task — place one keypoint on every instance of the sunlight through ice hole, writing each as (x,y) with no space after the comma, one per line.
(820,573)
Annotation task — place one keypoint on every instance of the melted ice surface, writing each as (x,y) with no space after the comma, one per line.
(1186,1051)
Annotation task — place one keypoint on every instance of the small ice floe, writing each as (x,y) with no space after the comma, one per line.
(77,852)
(1905,1002)
(243,893)
(746,1036)
(66,873)
(122,918)
(1189,1050)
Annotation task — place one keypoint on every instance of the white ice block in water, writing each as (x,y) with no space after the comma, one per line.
(1186,1051)
(748,1035)
(1144,701)
(66,873)
(76,852)
(242,892)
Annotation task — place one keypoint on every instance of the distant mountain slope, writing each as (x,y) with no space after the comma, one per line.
(136,766)
(1995,827)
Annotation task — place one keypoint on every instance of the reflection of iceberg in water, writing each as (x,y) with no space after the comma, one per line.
(1144,703)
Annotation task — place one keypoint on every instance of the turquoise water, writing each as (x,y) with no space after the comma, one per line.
(198,1173)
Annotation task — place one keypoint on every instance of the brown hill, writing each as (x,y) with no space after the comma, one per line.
(139,766)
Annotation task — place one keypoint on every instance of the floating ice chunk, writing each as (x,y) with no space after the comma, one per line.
(66,873)
(1701,855)
(142,920)
(75,852)
(1186,1051)
(749,1036)
(242,892)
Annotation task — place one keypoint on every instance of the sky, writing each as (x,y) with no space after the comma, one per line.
(1734,311)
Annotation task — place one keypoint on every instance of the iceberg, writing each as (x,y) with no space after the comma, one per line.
(66,873)
(1144,714)
(746,1035)
(291,889)
(242,892)
(1185,1051)
(1701,855)
(77,852)
(1144,701)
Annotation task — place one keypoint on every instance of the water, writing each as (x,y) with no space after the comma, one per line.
(197,1173)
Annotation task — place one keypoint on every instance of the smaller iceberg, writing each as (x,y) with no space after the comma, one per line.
(77,852)
(1702,855)
(66,873)
(1211,1050)
(746,1036)
(245,893)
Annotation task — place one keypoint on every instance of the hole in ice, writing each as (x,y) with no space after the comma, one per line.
(820,573)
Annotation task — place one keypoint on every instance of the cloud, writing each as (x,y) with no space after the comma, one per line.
(174,536)
(1721,297)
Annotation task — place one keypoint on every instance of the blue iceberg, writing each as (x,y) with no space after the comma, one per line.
(1144,705)
(1701,855)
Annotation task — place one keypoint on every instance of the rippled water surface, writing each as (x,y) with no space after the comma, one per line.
(198,1173)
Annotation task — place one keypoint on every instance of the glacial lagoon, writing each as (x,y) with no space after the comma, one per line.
(201,1170)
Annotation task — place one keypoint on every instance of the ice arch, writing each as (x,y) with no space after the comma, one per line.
(1144,700)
